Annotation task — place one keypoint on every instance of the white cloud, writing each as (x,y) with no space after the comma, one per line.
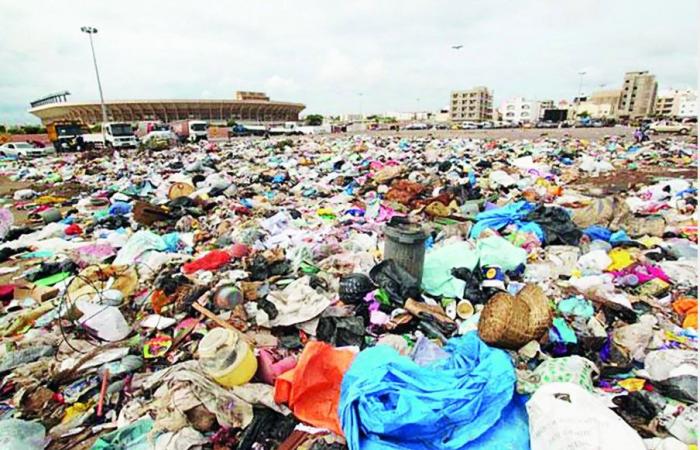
(276,83)
(323,54)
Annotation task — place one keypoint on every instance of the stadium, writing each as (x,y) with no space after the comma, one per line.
(244,107)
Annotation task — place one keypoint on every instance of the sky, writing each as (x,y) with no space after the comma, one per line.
(339,57)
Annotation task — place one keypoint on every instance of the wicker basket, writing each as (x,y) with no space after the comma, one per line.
(540,312)
(511,322)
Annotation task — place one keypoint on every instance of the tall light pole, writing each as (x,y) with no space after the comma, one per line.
(90,31)
(580,83)
(362,116)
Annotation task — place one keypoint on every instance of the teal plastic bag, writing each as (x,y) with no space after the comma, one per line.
(133,437)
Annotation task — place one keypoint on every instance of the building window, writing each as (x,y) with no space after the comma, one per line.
(526,106)
(510,114)
(510,107)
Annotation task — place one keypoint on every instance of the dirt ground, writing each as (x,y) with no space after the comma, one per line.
(525,133)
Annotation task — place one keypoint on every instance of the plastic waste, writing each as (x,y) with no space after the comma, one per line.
(312,388)
(16,434)
(226,357)
(565,416)
(463,401)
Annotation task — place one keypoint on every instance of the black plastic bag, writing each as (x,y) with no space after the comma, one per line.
(341,331)
(556,224)
(683,388)
(472,288)
(354,287)
(267,430)
(50,268)
(396,281)
(636,404)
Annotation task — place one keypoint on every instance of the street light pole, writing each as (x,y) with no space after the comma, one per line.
(90,31)
(580,83)
(362,115)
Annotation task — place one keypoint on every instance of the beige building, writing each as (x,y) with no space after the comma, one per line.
(676,104)
(600,105)
(473,105)
(638,95)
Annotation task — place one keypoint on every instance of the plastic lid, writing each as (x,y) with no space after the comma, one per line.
(408,233)
(214,340)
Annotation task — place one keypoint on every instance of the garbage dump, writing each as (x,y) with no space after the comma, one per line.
(362,292)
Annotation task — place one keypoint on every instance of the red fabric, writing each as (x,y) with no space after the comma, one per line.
(211,261)
(7,292)
(239,250)
(73,230)
(312,388)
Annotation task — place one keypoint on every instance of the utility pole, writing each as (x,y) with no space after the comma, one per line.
(90,31)
(580,83)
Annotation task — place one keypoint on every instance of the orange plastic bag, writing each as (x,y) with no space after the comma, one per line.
(312,388)
(687,307)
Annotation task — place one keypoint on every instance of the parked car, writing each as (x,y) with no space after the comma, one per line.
(667,126)
(24,150)
(546,124)
(469,126)
(416,126)
(442,126)
(486,124)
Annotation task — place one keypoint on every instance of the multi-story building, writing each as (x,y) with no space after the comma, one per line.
(638,96)
(676,104)
(519,110)
(473,105)
(599,105)
(688,105)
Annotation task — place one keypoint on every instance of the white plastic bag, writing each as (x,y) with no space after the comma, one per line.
(564,416)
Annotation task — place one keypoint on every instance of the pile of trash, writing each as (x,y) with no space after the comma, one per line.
(361,292)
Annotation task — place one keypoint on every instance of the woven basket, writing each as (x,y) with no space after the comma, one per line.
(512,322)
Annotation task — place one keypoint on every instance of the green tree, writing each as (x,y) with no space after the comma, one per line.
(314,120)
(231,123)
(3,129)
(33,129)
(584,114)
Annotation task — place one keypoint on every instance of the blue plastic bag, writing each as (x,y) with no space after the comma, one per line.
(119,209)
(499,218)
(465,401)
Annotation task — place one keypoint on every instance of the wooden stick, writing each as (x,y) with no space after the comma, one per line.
(222,323)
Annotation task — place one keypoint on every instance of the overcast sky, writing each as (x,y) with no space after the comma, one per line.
(396,53)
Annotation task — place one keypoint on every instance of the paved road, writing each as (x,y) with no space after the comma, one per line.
(520,133)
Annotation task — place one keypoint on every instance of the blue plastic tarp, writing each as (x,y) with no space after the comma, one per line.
(598,232)
(511,214)
(601,233)
(464,401)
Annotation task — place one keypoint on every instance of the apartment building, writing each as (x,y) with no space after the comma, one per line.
(520,110)
(638,96)
(676,103)
(473,105)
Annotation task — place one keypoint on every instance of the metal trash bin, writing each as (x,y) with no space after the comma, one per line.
(405,244)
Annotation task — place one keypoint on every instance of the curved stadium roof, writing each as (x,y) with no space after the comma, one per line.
(168,110)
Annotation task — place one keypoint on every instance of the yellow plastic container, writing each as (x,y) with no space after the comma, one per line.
(226,357)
